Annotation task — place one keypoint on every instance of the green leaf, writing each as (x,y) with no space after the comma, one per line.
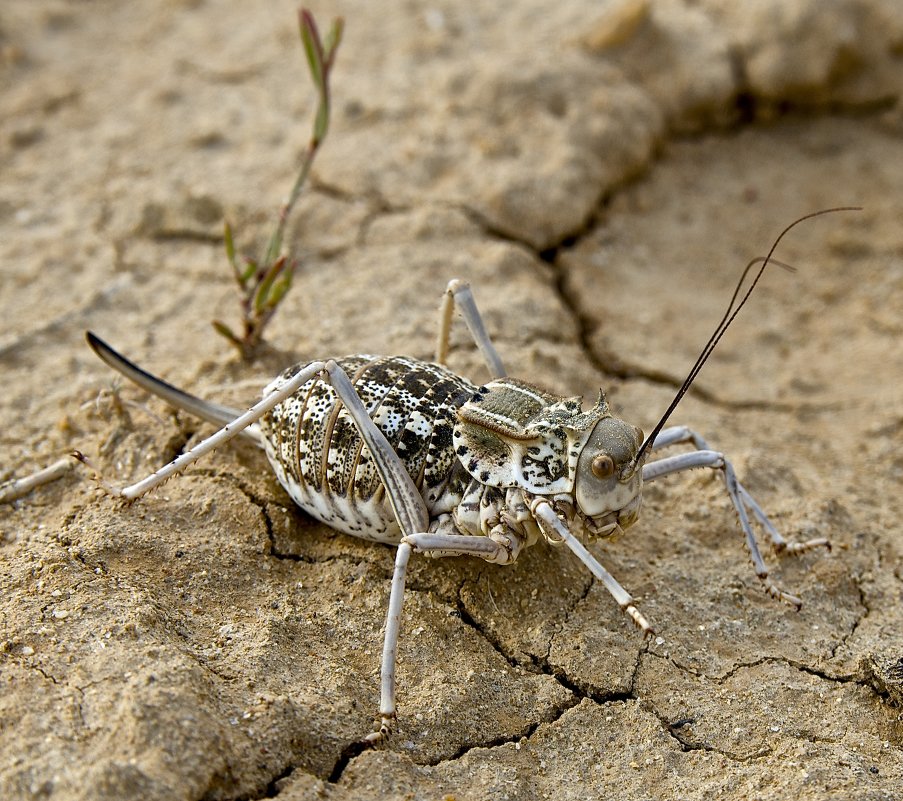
(321,124)
(230,255)
(283,285)
(250,269)
(223,330)
(313,49)
(230,245)
(266,282)
(275,243)
(333,39)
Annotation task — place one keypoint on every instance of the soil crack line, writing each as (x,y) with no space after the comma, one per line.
(863,602)
(487,635)
(839,678)
(673,730)
(262,505)
(617,367)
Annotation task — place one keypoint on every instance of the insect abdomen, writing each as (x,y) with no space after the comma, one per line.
(320,458)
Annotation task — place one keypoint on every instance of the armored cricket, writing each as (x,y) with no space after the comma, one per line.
(407,453)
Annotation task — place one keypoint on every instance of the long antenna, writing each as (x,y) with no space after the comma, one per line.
(729,316)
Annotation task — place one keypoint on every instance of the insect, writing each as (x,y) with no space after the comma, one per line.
(407,453)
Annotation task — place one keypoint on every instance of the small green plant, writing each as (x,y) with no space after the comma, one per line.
(264,283)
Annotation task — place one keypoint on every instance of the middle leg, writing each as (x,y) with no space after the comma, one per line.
(458,293)
(676,435)
(742,502)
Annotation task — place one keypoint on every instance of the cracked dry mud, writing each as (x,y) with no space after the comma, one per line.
(601,173)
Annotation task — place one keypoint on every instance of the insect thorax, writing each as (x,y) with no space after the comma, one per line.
(512,434)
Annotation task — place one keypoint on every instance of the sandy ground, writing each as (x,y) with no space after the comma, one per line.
(601,173)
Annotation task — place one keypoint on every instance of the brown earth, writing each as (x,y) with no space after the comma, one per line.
(601,174)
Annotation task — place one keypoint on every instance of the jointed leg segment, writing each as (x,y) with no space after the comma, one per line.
(555,529)
(407,503)
(743,502)
(230,431)
(458,293)
(435,544)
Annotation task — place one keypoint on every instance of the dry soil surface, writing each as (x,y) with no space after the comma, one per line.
(600,172)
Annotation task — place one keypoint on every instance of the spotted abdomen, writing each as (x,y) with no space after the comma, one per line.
(320,458)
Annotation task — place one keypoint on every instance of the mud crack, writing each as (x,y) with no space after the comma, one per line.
(618,367)
(263,507)
(675,730)
(606,362)
(542,664)
(678,729)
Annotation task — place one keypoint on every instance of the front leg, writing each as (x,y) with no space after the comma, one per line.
(441,545)
(485,524)
(743,502)
(555,530)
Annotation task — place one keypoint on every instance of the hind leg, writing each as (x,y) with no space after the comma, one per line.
(407,503)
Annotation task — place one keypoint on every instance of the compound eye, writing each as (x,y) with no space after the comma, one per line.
(603,466)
